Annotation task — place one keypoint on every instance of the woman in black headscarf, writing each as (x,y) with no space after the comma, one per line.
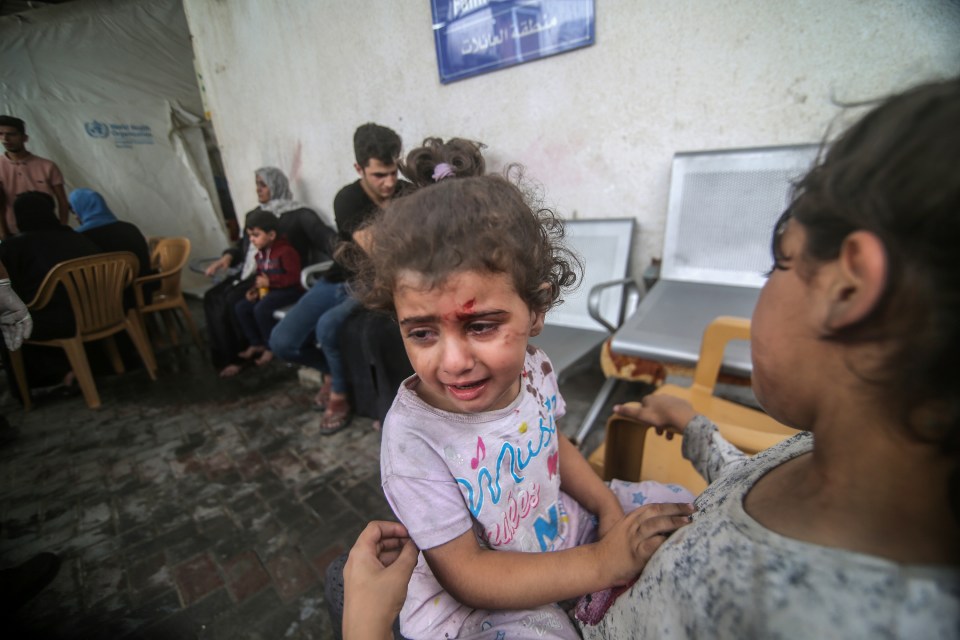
(28,257)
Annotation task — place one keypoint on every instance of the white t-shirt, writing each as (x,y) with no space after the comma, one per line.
(495,472)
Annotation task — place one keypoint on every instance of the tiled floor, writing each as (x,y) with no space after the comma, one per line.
(191,507)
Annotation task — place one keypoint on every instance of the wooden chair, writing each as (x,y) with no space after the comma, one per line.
(632,451)
(169,256)
(95,286)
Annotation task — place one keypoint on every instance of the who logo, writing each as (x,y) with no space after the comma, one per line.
(96,129)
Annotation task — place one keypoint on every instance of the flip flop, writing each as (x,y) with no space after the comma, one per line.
(334,421)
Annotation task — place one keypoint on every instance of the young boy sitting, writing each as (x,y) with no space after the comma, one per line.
(277,285)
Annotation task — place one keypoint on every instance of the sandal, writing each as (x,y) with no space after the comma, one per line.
(322,399)
(336,418)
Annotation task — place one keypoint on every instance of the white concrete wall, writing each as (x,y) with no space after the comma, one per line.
(287,83)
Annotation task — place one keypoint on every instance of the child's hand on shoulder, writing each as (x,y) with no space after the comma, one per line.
(625,550)
(665,413)
(608,518)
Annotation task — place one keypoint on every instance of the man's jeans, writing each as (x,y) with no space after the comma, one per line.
(309,333)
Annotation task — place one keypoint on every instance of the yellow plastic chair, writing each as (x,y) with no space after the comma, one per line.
(151,247)
(95,286)
(633,451)
(169,256)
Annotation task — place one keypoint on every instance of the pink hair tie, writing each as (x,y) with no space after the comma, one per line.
(441,171)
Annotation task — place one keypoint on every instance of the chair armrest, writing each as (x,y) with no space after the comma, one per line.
(142,280)
(631,292)
(715,338)
(623,448)
(310,273)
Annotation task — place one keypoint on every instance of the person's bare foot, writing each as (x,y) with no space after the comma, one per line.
(230,370)
(322,399)
(251,352)
(264,358)
(69,379)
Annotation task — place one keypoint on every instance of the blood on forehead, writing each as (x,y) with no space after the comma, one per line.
(465,313)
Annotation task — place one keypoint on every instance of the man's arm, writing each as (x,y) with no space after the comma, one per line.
(63,206)
(362,238)
(4,229)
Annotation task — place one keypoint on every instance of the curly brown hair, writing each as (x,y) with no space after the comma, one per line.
(464,157)
(481,223)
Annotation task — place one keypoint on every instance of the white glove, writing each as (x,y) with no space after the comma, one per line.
(15,321)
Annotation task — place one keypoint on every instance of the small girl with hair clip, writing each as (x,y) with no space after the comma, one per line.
(472,460)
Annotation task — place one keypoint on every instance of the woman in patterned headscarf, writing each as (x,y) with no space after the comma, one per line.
(310,233)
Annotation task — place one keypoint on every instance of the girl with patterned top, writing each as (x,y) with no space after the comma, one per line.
(508,514)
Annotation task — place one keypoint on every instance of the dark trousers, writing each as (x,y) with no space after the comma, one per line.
(224,334)
(256,318)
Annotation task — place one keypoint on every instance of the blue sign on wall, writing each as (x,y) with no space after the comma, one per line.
(477,36)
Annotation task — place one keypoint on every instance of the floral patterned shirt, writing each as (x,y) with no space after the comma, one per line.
(726,576)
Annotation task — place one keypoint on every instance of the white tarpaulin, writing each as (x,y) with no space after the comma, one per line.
(108,91)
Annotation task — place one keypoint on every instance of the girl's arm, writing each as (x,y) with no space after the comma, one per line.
(578,480)
(489,579)
(708,451)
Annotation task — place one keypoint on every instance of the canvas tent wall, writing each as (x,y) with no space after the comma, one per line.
(109,92)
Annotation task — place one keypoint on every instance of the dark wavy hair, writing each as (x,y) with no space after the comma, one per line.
(896,174)
(372,140)
(480,223)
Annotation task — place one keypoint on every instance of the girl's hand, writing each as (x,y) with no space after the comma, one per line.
(375,580)
(664,412)
(253,295)
(262,281)
(625,550)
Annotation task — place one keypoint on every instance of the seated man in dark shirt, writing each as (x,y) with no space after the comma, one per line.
(319,315)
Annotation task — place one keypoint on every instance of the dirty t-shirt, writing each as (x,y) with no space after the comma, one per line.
(726,576)
(496,473)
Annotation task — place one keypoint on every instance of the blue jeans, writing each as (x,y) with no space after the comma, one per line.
(309,333)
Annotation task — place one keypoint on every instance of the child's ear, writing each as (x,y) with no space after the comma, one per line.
(536,322)
(537,317)
(858,279)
